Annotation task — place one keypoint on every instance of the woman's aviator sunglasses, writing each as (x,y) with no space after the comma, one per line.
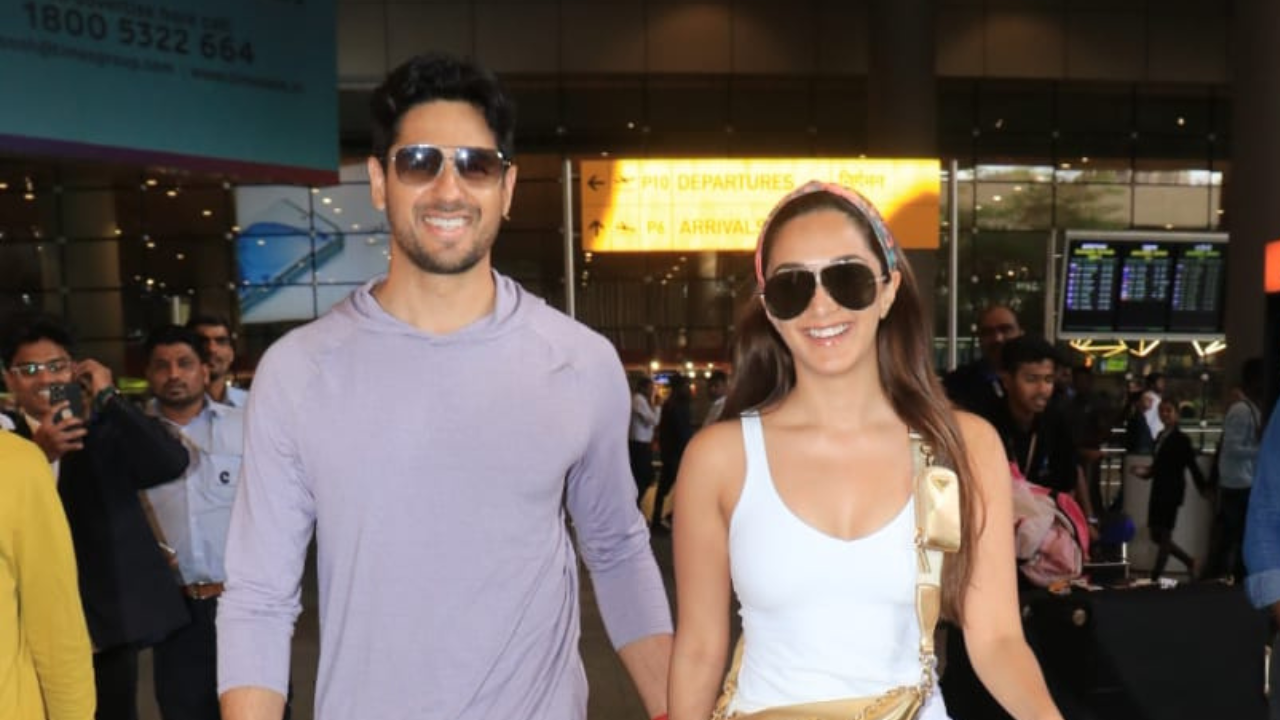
(851,283)
(422,164)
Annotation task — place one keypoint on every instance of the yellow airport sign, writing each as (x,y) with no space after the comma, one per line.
(719,205)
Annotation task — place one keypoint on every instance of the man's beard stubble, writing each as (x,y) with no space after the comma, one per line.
(428,263)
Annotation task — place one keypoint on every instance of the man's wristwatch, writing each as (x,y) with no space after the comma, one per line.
(103,397)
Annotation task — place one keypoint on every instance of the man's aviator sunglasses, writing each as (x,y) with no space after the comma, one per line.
(422,164)
(851,283)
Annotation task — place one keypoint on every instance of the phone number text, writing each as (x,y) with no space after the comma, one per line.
(72,22)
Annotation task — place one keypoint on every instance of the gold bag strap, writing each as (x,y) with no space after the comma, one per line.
(937,501)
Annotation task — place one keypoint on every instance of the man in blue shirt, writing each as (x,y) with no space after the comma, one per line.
(1262,538)
(191,515)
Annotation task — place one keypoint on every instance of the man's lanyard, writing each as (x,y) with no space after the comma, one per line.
(1031,451)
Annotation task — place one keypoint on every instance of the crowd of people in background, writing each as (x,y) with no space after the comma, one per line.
(181,520)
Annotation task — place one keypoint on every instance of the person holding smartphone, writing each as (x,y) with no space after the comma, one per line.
(101,459)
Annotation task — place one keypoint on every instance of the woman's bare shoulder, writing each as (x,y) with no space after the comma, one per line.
(980,437)
(718,438)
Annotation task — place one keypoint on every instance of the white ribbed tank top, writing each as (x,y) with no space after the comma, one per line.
(824,618)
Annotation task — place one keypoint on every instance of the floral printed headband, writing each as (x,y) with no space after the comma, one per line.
(888,245)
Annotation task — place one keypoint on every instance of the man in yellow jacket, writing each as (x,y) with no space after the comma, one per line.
(46,665)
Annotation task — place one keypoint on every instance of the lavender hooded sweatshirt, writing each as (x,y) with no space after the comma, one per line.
(435,472)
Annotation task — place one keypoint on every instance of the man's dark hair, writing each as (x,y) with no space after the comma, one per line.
(717,376)
(177,335)
(1152,379)
(211,321)
(644,384)
(27,328)
(436,76)
(1025,350)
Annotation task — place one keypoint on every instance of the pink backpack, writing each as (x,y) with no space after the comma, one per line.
(1052,535)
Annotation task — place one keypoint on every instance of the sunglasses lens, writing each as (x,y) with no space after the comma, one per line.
(788,293)
(853,285)
(422,164)
(478,165)
(418,164)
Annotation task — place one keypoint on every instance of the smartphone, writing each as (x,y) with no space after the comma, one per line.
(72,394)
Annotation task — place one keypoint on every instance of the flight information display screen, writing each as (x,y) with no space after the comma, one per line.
(1142,285)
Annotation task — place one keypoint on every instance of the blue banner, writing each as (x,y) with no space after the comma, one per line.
(239,86)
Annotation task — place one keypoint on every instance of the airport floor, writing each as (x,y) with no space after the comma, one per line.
(612,696)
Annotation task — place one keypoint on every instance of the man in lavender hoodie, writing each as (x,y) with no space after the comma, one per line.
(435,431)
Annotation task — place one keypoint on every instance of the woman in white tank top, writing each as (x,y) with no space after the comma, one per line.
(800,501)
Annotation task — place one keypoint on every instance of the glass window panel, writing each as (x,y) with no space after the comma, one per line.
(1016,107)
(99,213)
(539,101)
(537,204)
(273,209)
(1171,207)
(771,104)
(1174,113)
(26,215)
(263,304)
(615,103)
(183,263)
(358,258)
(1163,146)
(336,209)
(14,300)
(1016,172)
(1006,268)
(965,203)
(29,267)
(1096,170)
(1095,109)
(1014,205)
(182,210)
(1171,172)
(96,314)
(840,114)
(992,144)
(688,103)
(93,264)
(1082,151)
(1087,206)
(279,259)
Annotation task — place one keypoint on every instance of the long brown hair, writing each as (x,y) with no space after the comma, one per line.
(764,372)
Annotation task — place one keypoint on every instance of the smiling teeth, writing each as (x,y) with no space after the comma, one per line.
(827,332)
(447,223)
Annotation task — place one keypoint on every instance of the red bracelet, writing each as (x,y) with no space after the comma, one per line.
(663,716)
